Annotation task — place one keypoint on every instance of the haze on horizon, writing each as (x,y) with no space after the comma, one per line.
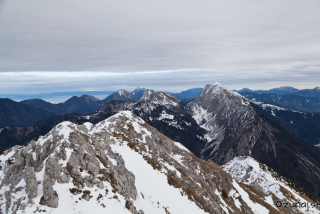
(52,46)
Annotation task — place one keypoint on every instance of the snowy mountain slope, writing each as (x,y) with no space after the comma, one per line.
(275,187)
(120,165)
(165,113)
(215,108)
(159,97)
(120,95)
(139,92)
(235,128)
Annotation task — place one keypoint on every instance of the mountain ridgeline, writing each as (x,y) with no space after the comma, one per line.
(220,125)
(18,114)
(82,105)
(236,128)
(289,101)
(315,92)
(124,165)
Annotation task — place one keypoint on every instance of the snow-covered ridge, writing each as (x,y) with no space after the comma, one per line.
(108,167)
(120,165)
(248,171)
(160,98)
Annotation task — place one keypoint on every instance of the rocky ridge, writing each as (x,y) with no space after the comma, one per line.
(236,128)
(118,165)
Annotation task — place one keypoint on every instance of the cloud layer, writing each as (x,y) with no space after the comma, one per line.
(184,43)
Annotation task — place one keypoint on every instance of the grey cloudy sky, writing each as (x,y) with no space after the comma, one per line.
(66,45)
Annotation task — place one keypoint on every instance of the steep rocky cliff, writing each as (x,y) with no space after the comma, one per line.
(236,128)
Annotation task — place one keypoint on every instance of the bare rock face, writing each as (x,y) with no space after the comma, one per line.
(31,183)
(52,171)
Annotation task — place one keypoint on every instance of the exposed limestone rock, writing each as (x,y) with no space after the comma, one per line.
(129,205)
(64,178)
(31,181)
(52,171)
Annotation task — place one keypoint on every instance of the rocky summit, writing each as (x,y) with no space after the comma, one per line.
(235,127)
(120,165)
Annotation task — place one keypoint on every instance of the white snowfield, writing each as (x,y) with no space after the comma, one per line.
(154,194)
(249,171)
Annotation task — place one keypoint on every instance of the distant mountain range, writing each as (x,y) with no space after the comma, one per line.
(289,101)
(82,105)
(19,114)
(188,94)
(55,94)
(219,125)
(315,92)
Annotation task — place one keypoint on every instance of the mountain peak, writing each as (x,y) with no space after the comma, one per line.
(220,92)
(139,91)
(141,88)
(89,97)
(121,94)
(245,90)
(159,98)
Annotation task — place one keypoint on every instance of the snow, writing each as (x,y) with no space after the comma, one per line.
(88,125)
(113,161)
(64,128)
(208,122)
(269,200)
(248,171)
(159,98)
(181,146)
(164,115)
(69,203)
(238,170)
(256,208)
(223,202)
(156,191)
(1,129)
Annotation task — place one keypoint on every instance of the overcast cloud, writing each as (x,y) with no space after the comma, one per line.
(165,45)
